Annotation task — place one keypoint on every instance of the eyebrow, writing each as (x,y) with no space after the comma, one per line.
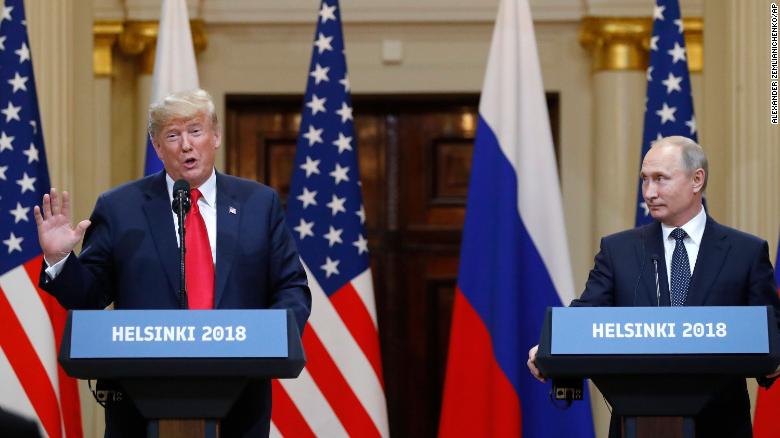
(186,126)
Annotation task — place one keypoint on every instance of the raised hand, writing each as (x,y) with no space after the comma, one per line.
(55,234)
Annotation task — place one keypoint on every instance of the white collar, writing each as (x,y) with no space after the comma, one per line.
(208,189)
(694,228)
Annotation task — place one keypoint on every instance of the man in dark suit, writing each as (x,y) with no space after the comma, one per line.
(245,256)
(698,261)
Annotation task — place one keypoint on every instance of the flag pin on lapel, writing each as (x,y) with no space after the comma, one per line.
(232,210)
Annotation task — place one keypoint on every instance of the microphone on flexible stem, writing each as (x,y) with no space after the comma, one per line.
(655,259)
(641,271)
(181,206)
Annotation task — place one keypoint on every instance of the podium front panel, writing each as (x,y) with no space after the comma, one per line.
(178,333)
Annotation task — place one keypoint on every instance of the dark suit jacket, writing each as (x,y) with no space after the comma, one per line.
(12,425)
(732,269)
(130,257)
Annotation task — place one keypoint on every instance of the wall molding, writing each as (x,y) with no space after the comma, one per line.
(623,43)
(133,38)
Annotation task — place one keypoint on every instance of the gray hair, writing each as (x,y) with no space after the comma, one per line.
(183,105)
(693,156)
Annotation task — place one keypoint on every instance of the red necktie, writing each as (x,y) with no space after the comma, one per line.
(197,260)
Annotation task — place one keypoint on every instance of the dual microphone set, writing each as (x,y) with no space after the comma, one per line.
(181,206)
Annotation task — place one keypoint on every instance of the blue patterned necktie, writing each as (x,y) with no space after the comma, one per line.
(681,268)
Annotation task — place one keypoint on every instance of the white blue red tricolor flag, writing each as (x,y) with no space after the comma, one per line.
(341,391)
(669,103)
(31,382)
(514,259)
(175,68)
(768,401)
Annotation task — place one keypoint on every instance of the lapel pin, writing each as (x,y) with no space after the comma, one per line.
(232,210)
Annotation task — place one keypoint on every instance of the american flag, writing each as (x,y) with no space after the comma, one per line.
(33,385)
(669,103)
(341,391)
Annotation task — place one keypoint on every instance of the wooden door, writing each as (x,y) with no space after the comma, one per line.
(415,157)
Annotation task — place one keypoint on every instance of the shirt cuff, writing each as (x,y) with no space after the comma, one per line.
(52,271)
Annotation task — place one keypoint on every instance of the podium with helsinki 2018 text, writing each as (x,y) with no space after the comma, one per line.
(657,366)
(183,369)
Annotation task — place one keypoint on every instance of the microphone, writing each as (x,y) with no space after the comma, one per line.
(181,197)
(655,259)
(181,206)
(641,271)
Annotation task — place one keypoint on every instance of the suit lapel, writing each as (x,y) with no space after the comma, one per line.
(157,209)
(228,217)
(712,254)
(654,246)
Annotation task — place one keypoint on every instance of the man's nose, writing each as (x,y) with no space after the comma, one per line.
(650,190)
(186,145)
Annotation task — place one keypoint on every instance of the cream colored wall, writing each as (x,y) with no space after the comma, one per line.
(61,45)
(275,58)
(738,127)
(746,146)
(437,58)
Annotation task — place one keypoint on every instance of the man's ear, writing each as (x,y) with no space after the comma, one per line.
(698,180)
(217,137)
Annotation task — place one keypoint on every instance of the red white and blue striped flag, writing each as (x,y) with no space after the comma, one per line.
(33,385)
(768,400)
(514,259)
(341,391)
(669,103)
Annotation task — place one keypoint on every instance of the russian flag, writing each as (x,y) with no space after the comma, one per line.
(175,68)
(514,257)
(765,423)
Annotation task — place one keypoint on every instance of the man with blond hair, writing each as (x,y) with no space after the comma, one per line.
(698,262)
(245,258)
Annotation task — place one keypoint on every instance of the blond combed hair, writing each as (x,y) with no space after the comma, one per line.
(184,105)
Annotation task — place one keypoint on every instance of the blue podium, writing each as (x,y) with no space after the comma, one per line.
(657,366)
(182,365)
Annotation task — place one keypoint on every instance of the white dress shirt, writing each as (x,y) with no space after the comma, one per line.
(694,228)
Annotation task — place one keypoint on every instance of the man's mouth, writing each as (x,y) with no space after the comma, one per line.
(189,163)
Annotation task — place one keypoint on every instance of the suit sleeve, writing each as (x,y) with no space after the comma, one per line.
(84,282)
(763,291)
(762,288)
(600,288)
(288,278)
